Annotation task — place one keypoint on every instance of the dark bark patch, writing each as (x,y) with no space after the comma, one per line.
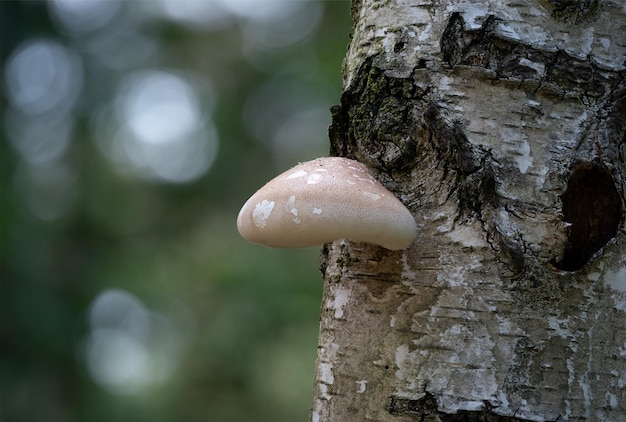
(450,142)
(426,409)
(593,207)
(616,121)
(475,179)
(373,123)
(512,253)
(452,42)
(575,11)
(425,406)
(574,74)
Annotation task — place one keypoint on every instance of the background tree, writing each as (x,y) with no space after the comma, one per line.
(501,126)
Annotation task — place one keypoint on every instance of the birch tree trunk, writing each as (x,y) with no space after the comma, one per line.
(501,126)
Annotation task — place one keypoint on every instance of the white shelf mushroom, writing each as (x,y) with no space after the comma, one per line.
(324,200)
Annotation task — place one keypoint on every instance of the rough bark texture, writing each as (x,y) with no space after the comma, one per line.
(501,125)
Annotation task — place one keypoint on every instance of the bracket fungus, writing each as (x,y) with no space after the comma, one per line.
(324,200)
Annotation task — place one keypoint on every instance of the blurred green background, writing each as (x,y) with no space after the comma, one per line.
(132,133)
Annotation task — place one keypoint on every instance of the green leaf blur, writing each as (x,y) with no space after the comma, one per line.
(131,134)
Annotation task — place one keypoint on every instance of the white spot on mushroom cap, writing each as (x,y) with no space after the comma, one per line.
(372,195)
(291,207)
(262,212)
(313,179)
(297,174)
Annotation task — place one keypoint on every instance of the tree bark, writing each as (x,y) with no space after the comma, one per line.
(501,126)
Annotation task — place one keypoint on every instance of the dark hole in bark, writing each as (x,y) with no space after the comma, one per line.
(593,207)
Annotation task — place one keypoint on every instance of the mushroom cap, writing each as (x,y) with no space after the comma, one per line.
(324,200)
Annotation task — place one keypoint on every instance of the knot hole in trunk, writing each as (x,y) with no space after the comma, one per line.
(593,207)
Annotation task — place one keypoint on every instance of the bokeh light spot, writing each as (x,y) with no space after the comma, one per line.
(117,361)
(40,139)
(207,14)
(161,133)
(129,347)
(118,309)
(82,16)
(42,75)
(267,11)
(158,107)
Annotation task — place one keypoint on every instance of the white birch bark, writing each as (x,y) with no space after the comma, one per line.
(501,126)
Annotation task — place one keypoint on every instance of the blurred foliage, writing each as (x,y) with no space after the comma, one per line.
(125,290)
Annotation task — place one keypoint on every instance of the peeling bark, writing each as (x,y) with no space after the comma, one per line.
(501,126)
